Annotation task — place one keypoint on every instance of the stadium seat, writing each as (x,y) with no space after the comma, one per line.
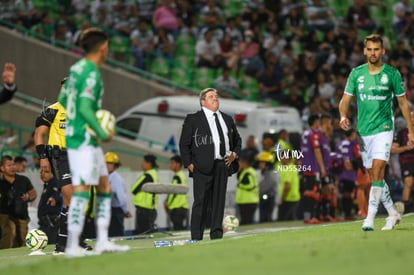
(250,87)
(185,45)
(119,47)
(203,78)
(181,76)
(160,66)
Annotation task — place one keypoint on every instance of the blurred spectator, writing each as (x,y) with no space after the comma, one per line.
(248,55)
(385,39)
(176,205)
(62,32)
(164,44)
(351,160)
(102,16)
(125,20)
(251,151)
(289,194)
(294,98)
(145,203)
(29,152)
(208,52)
(275,44)
(257,8)
(211,13)
(225,83)
(119,207)
(270,84)
(283,140)
(295,23)
(80,6)
(340,67)
(408,28)
(85,25)
(49,206)
(146,9)
(8,10)
(234,32)
(400,54)
(165,17)
(21,163)
(46,26)
(287,59)
(142,40)
(187,18)
(363,189)
(268,186)
(399,10)
(319,16)
(358,16)
(247,192)
(16,191)
(356,57)
(323,87)
(27,14)
(227,48)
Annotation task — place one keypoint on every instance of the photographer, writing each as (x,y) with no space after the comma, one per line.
(15,193)
(49,207)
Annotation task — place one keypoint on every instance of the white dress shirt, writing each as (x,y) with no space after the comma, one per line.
(214,131)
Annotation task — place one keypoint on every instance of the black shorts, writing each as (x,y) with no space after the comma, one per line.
(59,161)
(347,186)
(407,170)
(310,183)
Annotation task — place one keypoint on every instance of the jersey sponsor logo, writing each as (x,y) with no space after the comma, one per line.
(364,97)
(62,125)
(65,176)
(361,79)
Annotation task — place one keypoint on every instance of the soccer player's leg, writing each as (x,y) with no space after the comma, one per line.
(348,198)
(60,166)
(103,214)
(82,170)
(310,199)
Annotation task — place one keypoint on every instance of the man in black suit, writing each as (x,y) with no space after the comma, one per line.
(209,150)
(9,87)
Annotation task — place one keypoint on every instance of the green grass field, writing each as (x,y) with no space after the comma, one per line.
(274,248)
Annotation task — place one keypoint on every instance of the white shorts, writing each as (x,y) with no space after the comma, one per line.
(376,146)
(87,165)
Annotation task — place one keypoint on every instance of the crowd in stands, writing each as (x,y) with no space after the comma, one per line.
(292,52)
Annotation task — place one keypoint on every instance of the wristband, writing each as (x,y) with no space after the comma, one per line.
(41,151)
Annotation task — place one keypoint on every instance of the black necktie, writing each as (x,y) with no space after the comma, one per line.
(220,131)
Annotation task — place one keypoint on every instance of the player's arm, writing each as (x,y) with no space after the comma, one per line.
(405,110)
(42,129)
(315,143)
(319,160)
(86,111)
(397,149)
(343,111)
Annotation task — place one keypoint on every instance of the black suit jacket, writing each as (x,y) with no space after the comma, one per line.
(6,94)
(196,142)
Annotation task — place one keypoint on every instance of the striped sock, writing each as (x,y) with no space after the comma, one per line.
(76,217)
(103,216)
(375,195)
(387,201)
